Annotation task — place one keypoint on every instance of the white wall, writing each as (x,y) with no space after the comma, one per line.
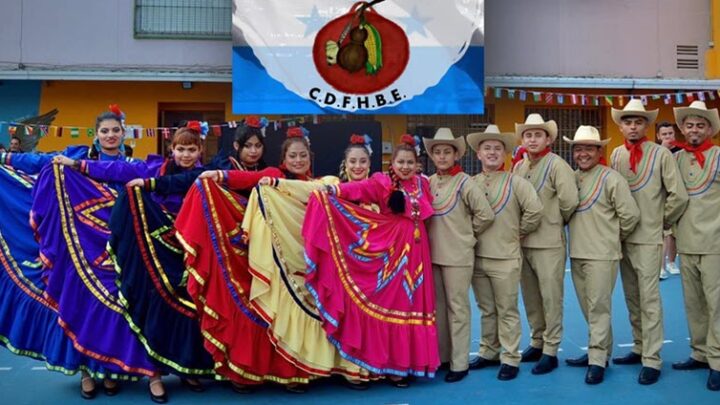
(607,38)
(92,34)
(595,38)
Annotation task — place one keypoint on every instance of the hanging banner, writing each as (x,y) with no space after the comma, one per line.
(375,57)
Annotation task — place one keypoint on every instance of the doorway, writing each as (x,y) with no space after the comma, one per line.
(173,114)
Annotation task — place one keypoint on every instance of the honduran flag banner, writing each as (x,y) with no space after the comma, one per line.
(372,57)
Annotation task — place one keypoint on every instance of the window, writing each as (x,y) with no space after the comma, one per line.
(568,120)
(460,125)
(183,19)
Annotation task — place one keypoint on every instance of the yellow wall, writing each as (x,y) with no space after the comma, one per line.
(80,102)
(712,56)
(508,112)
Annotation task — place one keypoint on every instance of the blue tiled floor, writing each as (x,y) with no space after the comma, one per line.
(24,381)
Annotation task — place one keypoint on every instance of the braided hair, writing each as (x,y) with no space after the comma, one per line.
(396,201)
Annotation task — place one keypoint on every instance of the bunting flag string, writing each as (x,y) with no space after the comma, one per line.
(679,97)
(132,132)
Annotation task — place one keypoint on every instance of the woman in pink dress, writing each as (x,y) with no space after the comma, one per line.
(370,273)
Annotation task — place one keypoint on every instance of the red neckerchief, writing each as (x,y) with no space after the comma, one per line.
(636,152)
(455,170)
(603,161)
(521,151)
(519,155)
(696,150)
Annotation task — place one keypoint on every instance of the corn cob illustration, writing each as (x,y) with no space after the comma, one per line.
(373,44)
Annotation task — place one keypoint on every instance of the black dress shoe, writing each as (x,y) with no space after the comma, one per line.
(713,383)
(628,359)
(581,361)
(507,372)
(531,354)
(455,376)
(690,364)
(444,366)
(595,375)
(480,362)
(545,365)
(648,376)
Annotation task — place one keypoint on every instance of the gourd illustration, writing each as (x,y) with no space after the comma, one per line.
(353,55)
(361,51)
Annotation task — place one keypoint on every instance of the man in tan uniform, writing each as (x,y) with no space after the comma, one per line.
(543,267)
(606,214)
(652,175)
(698,237)
(496,277)
(461,214)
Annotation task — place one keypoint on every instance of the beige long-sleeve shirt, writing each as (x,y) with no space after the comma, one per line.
(698,230)
(657,189)
(518,212)
(606,215)
(462,213)
(554,182)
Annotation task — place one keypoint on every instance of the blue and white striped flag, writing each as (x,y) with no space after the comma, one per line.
(376,57)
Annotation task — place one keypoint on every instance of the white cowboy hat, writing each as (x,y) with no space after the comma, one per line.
(536,121)
(634,108)
(444,136)
(699,109)
(492,132)
(586,135)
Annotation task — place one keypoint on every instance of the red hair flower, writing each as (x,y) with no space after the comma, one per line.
(252,121)
(295,132)
(356,139)
(194,125)
(115,109)
(407,140)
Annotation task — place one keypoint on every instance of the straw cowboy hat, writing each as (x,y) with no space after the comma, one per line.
(586,135)
(536,121)
(492,132)
(634,108)
(444,136)
(699,109)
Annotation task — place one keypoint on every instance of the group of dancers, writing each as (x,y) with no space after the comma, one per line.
(239,271)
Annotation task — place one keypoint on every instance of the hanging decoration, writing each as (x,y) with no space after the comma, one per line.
(20,129)
(591,99)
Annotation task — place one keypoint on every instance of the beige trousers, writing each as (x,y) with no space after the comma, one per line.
(452,296)
(594,281)
(701,289)
(542,282)
(495,283)
(639,273)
